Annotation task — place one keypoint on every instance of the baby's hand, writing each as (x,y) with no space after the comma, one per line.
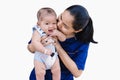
(55,33)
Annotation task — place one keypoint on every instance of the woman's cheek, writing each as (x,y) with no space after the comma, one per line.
(64,31)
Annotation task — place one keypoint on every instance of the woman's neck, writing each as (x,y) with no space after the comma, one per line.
(70,36)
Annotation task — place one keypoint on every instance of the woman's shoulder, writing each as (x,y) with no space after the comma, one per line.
(73,41)
(72,44)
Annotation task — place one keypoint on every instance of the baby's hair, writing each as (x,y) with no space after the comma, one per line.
(45,11)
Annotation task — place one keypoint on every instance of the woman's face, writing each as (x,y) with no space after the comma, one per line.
(64,24)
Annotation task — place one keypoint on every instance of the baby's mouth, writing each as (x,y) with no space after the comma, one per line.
(50,31)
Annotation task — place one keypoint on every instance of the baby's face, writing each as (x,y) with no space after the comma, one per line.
(48,23)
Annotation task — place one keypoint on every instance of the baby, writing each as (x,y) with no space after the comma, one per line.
(46,57)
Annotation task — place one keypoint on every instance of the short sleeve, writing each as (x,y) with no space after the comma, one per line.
(81,56)
(30,41)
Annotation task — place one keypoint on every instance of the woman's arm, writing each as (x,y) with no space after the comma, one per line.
(30,46)
(67,61)
(36,42)
(37,45)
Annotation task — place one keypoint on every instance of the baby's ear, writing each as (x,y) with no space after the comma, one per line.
(37,23)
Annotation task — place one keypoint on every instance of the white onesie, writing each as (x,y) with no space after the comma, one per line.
(48,60)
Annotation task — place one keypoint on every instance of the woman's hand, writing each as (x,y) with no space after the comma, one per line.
(46,40)
(31,48)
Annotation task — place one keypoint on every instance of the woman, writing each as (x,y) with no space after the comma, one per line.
(76,24)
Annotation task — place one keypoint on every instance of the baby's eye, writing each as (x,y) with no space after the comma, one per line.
(46,23)
(54,23)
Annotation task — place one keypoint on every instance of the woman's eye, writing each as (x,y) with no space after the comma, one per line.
(65,26)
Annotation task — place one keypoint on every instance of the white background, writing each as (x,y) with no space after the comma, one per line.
(17,18)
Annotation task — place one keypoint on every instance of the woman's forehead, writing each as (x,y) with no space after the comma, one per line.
(67,18)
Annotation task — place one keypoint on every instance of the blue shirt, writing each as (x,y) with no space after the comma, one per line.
(78,53)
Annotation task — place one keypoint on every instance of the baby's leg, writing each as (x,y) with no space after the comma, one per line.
(39,70)
(56,73)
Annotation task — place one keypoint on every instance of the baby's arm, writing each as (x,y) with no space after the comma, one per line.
(59,35)
(36,42)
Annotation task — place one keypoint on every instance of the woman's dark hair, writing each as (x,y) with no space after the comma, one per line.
(83,21)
